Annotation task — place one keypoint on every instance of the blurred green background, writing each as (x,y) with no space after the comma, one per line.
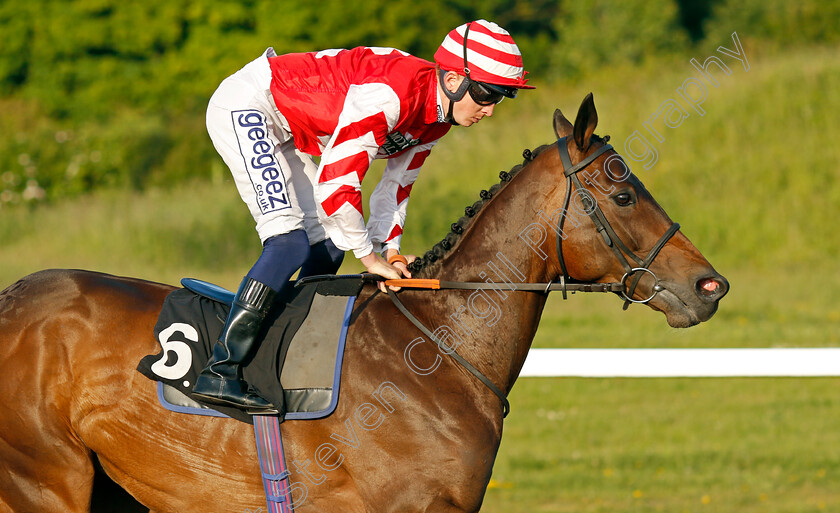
(105,165)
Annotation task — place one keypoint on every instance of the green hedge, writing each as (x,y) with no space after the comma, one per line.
(776,23)
(598,33)
(103,93)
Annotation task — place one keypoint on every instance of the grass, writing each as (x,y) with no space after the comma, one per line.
(754,182)
(669,445)
(197,229)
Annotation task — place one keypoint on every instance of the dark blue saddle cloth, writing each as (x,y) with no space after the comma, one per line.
(298,362)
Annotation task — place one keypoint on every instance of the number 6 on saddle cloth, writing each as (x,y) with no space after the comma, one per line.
(297,366)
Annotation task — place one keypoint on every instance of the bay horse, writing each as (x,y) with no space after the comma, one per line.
(413,430)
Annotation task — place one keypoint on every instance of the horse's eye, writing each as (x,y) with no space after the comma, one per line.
(623,199)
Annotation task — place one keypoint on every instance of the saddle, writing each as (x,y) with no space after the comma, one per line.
(297,365)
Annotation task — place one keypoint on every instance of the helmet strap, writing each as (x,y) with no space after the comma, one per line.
(449,116)
(457,95)
(453,96)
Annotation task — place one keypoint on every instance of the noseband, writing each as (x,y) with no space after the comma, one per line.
(602,225)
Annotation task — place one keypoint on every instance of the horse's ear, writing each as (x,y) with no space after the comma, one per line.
(562,126)
(587,119)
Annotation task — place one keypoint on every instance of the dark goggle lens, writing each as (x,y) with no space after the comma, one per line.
(483,95)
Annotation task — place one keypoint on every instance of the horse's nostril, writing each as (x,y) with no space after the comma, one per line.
(709,285)
(711,288)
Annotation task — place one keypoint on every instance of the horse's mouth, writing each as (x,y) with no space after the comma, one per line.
(678,312)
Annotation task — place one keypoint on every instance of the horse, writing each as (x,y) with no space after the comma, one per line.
(413,431)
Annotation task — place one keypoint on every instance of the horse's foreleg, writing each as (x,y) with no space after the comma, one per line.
(41,477)
(44,467)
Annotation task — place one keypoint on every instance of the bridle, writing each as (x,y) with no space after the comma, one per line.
(565,282)
(602,225)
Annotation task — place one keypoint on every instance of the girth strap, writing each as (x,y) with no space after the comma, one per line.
(458,358)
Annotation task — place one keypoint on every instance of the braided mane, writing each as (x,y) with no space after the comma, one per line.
(458,227)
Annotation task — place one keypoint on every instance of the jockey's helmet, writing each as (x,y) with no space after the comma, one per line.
(486,55)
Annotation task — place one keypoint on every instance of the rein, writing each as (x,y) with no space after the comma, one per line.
(454,354)
(412,283)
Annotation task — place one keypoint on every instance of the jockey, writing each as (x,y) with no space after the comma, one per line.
(348,107)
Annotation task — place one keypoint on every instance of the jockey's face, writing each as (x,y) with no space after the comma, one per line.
(465,111)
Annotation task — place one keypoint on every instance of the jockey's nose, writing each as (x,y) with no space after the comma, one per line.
(488,110)
(712,288)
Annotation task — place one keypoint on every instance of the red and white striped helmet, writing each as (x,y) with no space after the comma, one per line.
(492,56)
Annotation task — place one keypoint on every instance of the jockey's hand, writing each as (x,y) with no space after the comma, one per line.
(375,264)
(402,267)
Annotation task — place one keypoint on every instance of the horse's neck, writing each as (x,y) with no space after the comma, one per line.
(498,326)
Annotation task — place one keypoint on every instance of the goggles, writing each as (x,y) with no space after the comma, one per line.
(489,94)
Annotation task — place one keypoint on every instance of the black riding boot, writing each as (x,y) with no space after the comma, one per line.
(221,380)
